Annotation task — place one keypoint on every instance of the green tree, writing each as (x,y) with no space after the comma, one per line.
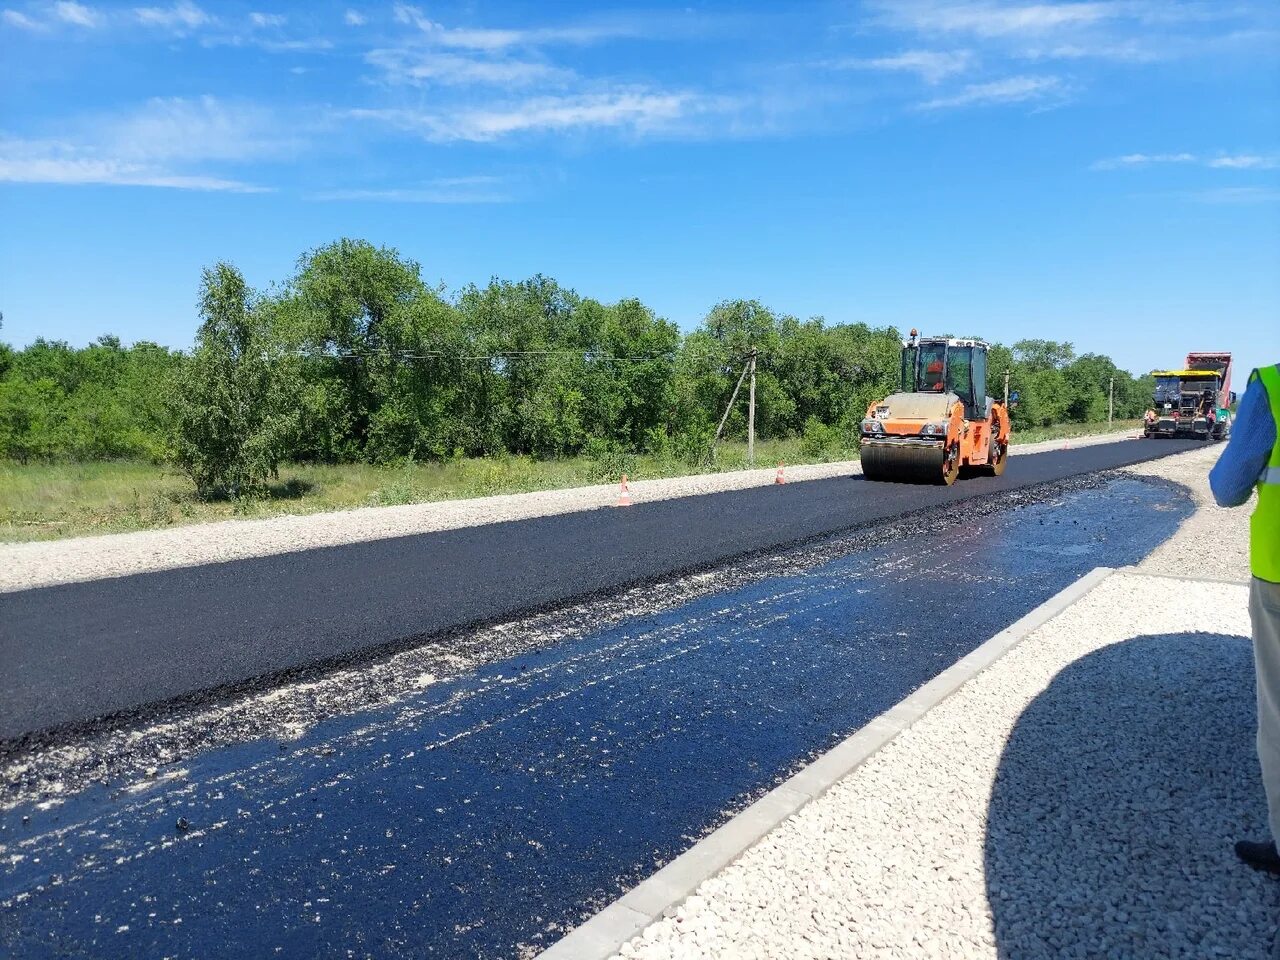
(235,402)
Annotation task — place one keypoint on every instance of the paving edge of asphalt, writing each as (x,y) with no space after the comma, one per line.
(602,935)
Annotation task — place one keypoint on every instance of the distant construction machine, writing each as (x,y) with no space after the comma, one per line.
(942,419)
(1194,401)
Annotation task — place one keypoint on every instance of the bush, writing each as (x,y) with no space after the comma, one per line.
(608,461)
(818,439)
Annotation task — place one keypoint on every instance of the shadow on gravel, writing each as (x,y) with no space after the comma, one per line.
(1117,800)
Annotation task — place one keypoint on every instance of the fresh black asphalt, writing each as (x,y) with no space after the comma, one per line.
(483,813)
(76,652)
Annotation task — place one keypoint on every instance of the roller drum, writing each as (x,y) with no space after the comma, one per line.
(901,461)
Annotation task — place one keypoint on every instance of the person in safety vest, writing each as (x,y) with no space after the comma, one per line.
(1252,460)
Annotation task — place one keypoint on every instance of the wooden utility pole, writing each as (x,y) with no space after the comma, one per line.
(1111,401)
(751,413)
(733,397)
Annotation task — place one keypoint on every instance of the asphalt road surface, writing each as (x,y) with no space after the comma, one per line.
(484,814)
(80,651)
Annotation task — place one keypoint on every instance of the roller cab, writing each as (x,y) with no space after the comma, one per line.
(941,421)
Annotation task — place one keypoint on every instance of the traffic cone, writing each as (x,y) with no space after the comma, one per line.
(624,494)
(780,478)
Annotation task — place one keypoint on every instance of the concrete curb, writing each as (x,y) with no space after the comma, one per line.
(602,935)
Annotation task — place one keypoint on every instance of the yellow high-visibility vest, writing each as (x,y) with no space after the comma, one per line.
(1264,525)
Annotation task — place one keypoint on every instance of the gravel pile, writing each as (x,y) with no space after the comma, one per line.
(1078,799)
(27,565)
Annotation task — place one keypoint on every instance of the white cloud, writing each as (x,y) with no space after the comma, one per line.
(182,16)
(420,67)
(1223,161)
(1009,90)
(490,39)
(988,19)
(267,19)
(442,190)
(354,18)
(637,111)
(199,129)
(1143,159)
(931,65)
(77,14)
(27,161)
(20,20)
(1127,31)
(162,143)
(1244,162)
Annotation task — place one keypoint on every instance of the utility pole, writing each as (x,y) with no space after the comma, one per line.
(1111,401)
(751,414)
(1006,389)
(733,397)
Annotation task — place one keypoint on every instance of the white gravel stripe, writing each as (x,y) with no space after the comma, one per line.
(1076,799)
(45,563)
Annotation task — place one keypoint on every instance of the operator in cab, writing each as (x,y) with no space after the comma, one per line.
(1251,461)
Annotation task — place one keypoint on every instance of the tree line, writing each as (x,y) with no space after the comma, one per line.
(356,359)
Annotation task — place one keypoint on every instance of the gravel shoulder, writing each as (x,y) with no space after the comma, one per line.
(39,564)
(1078,798)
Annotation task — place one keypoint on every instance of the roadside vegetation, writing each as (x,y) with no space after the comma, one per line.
(355,382)
(49,501)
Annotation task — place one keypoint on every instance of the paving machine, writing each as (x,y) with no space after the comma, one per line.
(1195,401)
(941,421)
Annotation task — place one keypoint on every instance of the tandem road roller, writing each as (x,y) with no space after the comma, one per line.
(941,421)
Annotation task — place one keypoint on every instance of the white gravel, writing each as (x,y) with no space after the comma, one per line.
(1214,542)
(1077,799)
(40,564)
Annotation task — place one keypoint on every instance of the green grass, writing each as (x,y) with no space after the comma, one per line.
(52,501)
(1065,431)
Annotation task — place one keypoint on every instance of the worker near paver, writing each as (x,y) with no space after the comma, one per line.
(1252,459)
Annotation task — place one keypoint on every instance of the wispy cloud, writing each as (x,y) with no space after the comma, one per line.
(156,145)
(267,19)
(1132,31)
(421,67)
(182,16)
(443,190)
(638,112)
(1009,90)
(1244,161)
(1223,161)
(26,161)
(932,66)
(494,39)
(13,18)
(993,19)
(354,18)
(77,14)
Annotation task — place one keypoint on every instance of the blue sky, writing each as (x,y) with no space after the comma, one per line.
(1105,172)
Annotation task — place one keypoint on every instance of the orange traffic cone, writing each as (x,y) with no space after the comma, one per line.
(780,478)
(624,494)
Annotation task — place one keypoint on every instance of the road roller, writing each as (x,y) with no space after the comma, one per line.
(942,421)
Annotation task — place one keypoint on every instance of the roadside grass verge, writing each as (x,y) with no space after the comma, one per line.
(56,500)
